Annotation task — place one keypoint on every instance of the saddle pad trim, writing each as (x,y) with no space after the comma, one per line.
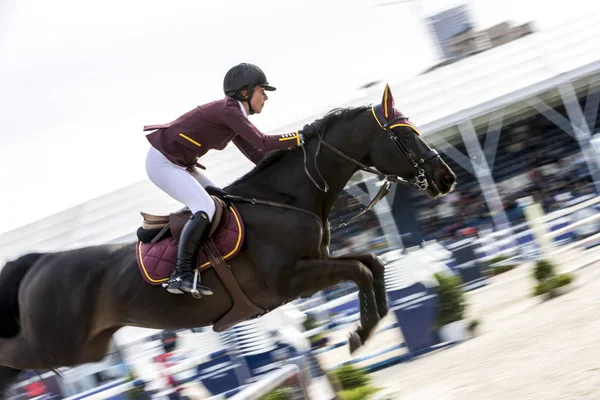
(239,238)
(203,266)
(141,261)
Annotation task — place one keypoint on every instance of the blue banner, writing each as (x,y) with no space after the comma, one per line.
(416,311)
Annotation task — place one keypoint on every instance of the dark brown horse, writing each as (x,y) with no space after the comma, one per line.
(61,309)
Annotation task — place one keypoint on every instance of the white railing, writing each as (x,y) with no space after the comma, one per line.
(504,237)
(574,225)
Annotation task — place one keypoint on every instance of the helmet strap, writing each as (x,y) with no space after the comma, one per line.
(250,93)
(239,97)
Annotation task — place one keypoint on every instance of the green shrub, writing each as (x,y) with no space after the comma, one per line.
(136,392)
(316,338)
(543,270)
(496,259)
(563,279)
(543,287)
(310,323)
(351,377)
(501,269)
(552,283)
(333,380)
(452,303)
(545,274)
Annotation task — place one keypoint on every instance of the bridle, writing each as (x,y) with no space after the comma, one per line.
(419,181)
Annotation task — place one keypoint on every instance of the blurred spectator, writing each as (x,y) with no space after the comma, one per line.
(534,158)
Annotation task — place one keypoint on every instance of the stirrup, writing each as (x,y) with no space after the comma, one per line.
(177,285)
(199,290)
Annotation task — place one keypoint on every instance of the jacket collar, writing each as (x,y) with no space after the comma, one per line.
(230,101)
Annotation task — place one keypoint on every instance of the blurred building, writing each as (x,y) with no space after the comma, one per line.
(447,24)
(457,37)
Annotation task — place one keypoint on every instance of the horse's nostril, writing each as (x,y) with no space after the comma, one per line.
(448,178)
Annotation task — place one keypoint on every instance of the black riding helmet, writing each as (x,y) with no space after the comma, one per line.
(244,75)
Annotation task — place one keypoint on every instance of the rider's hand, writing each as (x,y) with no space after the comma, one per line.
(301,134)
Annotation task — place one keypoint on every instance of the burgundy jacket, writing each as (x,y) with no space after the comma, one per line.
(212,126)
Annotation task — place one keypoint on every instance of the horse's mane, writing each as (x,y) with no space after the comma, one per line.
(309,132)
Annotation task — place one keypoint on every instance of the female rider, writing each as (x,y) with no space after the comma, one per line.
(172,160)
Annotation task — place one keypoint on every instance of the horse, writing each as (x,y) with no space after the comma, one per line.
(61,309)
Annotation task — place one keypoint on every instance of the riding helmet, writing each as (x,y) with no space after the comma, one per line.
(244,75)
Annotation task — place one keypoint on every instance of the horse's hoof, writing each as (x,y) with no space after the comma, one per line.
(354,342)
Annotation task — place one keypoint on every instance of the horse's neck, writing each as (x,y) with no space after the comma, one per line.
(336,170)
(286,180)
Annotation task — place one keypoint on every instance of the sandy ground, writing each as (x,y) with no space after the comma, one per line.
(525,348)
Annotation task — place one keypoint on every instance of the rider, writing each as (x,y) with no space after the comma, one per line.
(176,147)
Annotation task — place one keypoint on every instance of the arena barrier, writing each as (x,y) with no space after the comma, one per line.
(520,241)
(218,372)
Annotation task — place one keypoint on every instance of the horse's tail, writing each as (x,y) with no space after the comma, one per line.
(10,281)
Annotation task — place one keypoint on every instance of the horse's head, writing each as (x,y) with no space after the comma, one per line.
(401,151)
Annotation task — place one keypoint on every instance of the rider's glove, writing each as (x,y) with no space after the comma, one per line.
(301,134)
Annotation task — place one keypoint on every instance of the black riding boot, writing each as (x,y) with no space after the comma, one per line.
(193,234)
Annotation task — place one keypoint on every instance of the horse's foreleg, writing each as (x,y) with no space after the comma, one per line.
(377,268)
(311,276)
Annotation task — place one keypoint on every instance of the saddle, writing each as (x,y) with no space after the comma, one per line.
(160,226)
(156,253)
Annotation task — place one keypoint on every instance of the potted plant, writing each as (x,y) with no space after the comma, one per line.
(137,392)
(498,265)
(354,383)
(549,284)
(451,323)
(562,283)
(318,340)
(284,393)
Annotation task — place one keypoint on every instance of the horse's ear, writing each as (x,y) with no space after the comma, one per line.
(387,103)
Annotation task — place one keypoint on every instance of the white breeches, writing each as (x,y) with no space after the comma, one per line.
(180,184)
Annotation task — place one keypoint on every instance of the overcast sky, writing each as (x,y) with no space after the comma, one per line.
(79,79)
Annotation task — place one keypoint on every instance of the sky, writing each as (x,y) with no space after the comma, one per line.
(79,79)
